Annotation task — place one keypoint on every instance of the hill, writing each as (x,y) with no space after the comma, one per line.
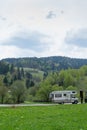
(53,63)
(25,76)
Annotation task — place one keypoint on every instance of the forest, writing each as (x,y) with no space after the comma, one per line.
(52,63)
(32,79)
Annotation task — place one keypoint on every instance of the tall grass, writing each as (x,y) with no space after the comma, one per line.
(58,117)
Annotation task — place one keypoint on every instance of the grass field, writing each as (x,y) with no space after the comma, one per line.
(58,117)
(35,72)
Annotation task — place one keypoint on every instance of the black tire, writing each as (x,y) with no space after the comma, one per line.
(75,102)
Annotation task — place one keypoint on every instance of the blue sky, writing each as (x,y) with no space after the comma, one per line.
(43,28)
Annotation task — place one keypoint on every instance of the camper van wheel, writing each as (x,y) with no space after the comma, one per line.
(62,103)
(75,102)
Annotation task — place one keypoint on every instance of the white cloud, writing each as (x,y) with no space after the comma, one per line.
(34,41)
(78,38)
(51,15)
(21,15)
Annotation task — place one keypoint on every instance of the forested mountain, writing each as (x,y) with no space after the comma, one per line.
(54,63)
(21,79)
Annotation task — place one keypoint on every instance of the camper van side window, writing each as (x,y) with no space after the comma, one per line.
(58,95)
(65,94)
(72,96)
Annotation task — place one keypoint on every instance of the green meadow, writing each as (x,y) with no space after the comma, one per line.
(58,117)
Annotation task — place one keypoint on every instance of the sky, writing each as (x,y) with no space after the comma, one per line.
(41,28)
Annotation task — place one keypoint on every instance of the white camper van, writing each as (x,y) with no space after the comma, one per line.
(64,97)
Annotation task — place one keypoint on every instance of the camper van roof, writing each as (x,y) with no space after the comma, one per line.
(64,91)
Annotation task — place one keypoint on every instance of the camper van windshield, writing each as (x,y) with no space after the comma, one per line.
(72,96)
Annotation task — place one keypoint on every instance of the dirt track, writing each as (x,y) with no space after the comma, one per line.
(19,105)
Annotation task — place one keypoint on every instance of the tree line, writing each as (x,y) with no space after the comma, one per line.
(53,63)
(14,83)
(18,84)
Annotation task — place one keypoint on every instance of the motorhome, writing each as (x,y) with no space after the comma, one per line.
(63,97)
